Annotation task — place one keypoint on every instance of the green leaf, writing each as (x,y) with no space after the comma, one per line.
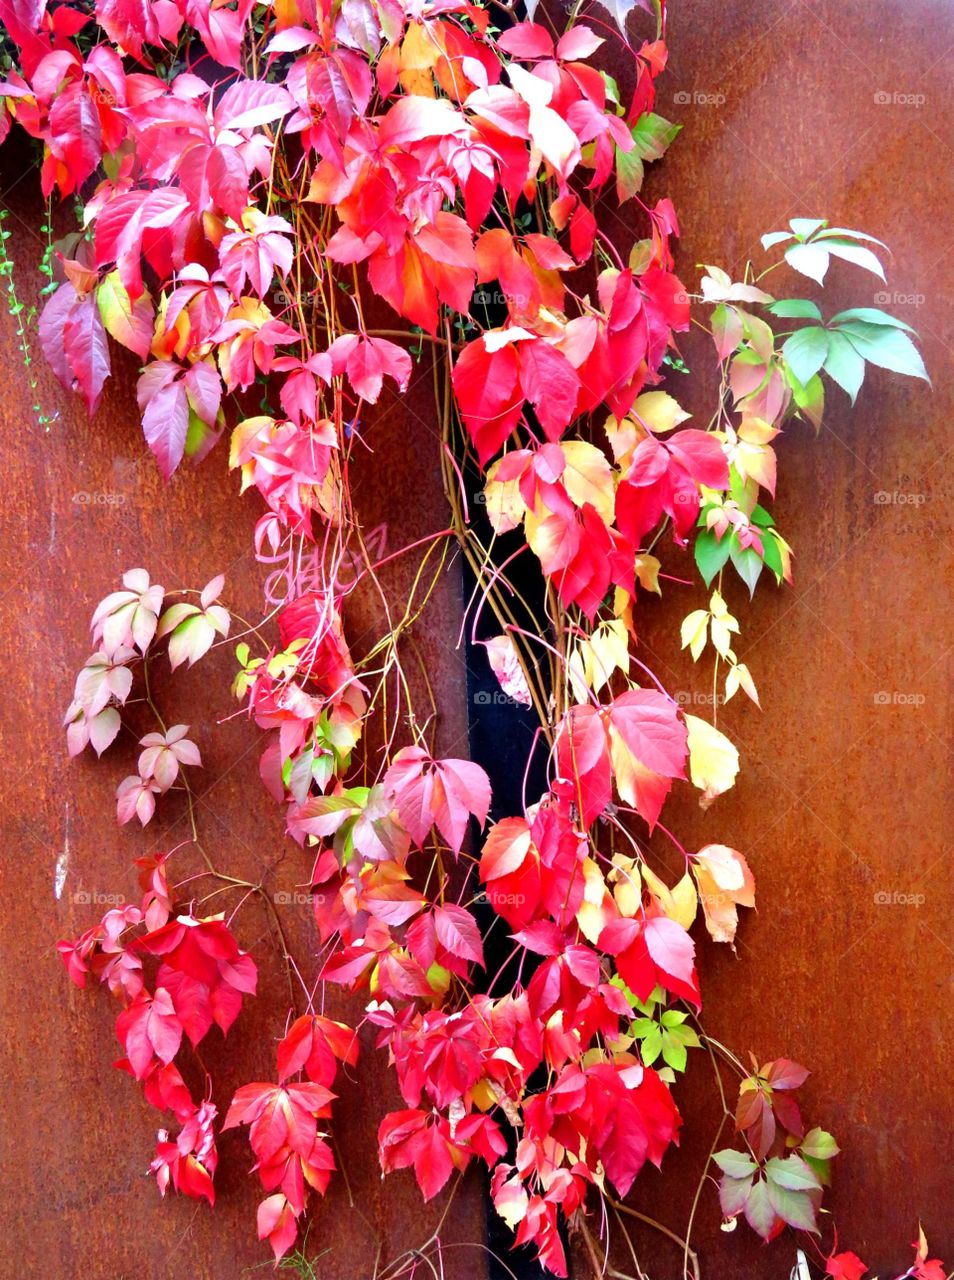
(772,556)
(674,1054)
(846,233)
(819,1144)
(748,565)
(856,254)
(791,1173)
(711,553)
(871,315)
(773,238)
(805,228)
(796,1207)
(795,309)
(761,517)
(652,135)
(805,352)
(810,398)
(844,365)
(759,1211)
(887,348)
(641,1027)
(809,259)
(651,1046)
(735,1164)
(612,88)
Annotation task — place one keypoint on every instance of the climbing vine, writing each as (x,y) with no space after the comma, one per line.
(290,208)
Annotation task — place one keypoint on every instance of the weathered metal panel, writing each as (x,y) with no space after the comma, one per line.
(84,502)
(840,109)
(844,794)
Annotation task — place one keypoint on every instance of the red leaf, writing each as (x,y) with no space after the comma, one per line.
(407,1138)
(783,1073)
(526,40)
(673,952)
(277,1224)
(845,1266)
(457,931)
(649,724)
(550,383)
(505,849)
(485,385)
(227,177)
(437,792)
(583,757)
(148,1029)
(165,424)
(366,361)
(52,327)
(247,104)
(87,351)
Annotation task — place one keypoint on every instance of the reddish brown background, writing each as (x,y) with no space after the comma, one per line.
(793,108)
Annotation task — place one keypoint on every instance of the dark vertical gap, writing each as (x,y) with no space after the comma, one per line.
(502,735)
(503,741)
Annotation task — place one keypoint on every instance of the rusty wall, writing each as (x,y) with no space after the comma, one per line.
(791,108)
(83,503)
(841,109)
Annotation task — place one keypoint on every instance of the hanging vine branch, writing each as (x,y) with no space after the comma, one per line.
(262,189)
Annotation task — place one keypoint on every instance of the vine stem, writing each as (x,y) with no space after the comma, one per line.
(662,1229)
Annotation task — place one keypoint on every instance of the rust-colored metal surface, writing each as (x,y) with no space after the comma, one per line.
(842,109)
(83,503)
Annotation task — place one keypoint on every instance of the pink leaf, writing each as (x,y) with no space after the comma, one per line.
(457,931)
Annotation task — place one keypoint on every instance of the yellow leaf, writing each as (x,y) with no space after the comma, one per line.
(725,883)
(623,609)
(578,671)
(244,433)
(721,632)
(680,902)
(589,478)
(658,411)
(596,908)
(717,606)
(739,677)
(713,760)
(693,632)
(609,649)
(623,436)
(628,892)
(505,505)
(647,573)
(641,256)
